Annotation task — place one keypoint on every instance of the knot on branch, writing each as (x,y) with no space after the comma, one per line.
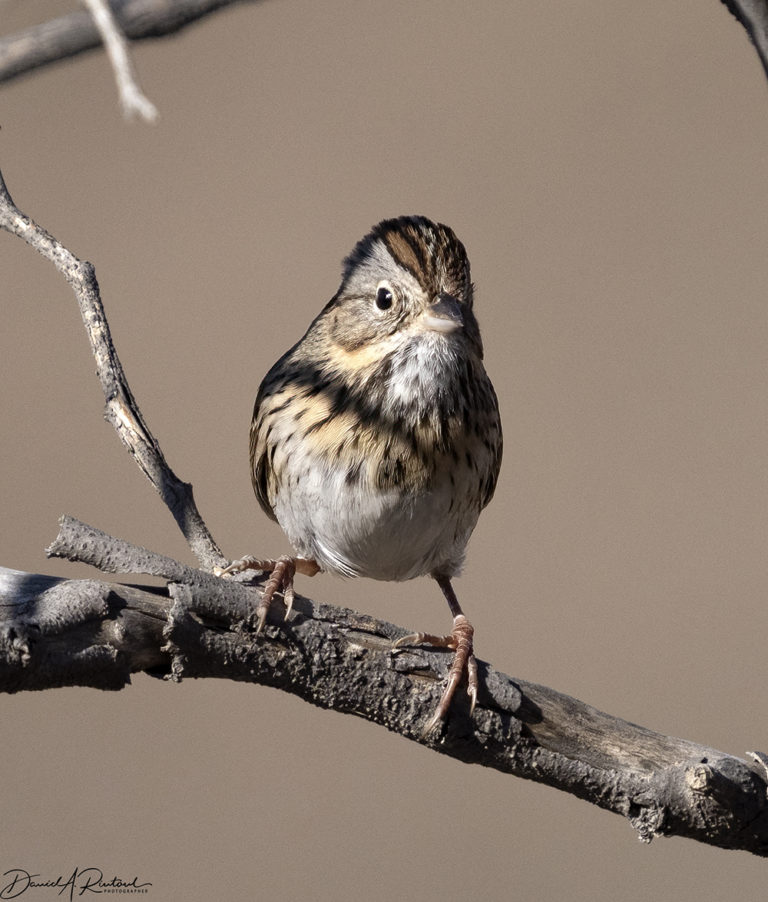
(647,819)
(14,645)
(177,612)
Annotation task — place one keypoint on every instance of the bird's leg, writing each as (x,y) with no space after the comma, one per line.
(282,571)
(459,639)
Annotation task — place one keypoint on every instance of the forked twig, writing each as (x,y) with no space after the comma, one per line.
(132,99)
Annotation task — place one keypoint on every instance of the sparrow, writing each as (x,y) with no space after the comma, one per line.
(376,439)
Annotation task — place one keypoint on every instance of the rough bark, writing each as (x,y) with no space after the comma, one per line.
(56,632)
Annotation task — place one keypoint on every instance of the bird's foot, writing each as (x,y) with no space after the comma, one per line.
(460,640)
(281,570)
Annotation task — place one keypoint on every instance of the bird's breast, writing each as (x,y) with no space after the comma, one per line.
(382,476)
(337,514)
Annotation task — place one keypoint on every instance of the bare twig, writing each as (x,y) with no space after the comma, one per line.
(121,408)
(132,99)
(753,15)
(76,32)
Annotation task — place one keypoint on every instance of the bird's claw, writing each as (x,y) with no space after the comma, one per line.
(281,570)
(464,662)
(281,577)
(244,563)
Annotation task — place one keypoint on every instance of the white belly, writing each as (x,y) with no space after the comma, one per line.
(354,531)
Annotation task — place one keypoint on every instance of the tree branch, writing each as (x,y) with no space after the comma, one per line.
(57,632)
(132,99)
(121,408)
(70,35)
(753,15)
(76,33)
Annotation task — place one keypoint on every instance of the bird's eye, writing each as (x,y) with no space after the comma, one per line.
(384,296)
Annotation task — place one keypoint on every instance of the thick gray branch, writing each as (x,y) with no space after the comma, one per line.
(76,32)
(121,411)
(85,632)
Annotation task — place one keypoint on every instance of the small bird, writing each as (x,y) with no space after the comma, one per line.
(376,439)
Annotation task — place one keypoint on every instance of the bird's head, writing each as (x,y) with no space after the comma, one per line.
(407,281)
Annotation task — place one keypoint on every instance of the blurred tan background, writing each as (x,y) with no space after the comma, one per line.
(606,165)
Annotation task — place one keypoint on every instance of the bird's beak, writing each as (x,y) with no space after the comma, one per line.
(444,315)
